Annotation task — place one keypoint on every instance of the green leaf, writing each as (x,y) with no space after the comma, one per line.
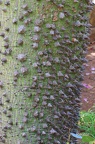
(87,138)
(92,142)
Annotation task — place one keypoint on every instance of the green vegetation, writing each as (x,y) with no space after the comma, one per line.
(87,126)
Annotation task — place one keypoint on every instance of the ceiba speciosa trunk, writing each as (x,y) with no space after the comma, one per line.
(42,49)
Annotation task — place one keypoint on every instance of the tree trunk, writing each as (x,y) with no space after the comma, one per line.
(42,48)
(92,22)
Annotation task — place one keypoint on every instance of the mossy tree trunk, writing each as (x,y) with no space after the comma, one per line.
(42,47)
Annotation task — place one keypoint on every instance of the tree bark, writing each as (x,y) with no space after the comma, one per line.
(42,48)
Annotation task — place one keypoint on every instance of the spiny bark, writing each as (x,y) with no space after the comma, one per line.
(42,48)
